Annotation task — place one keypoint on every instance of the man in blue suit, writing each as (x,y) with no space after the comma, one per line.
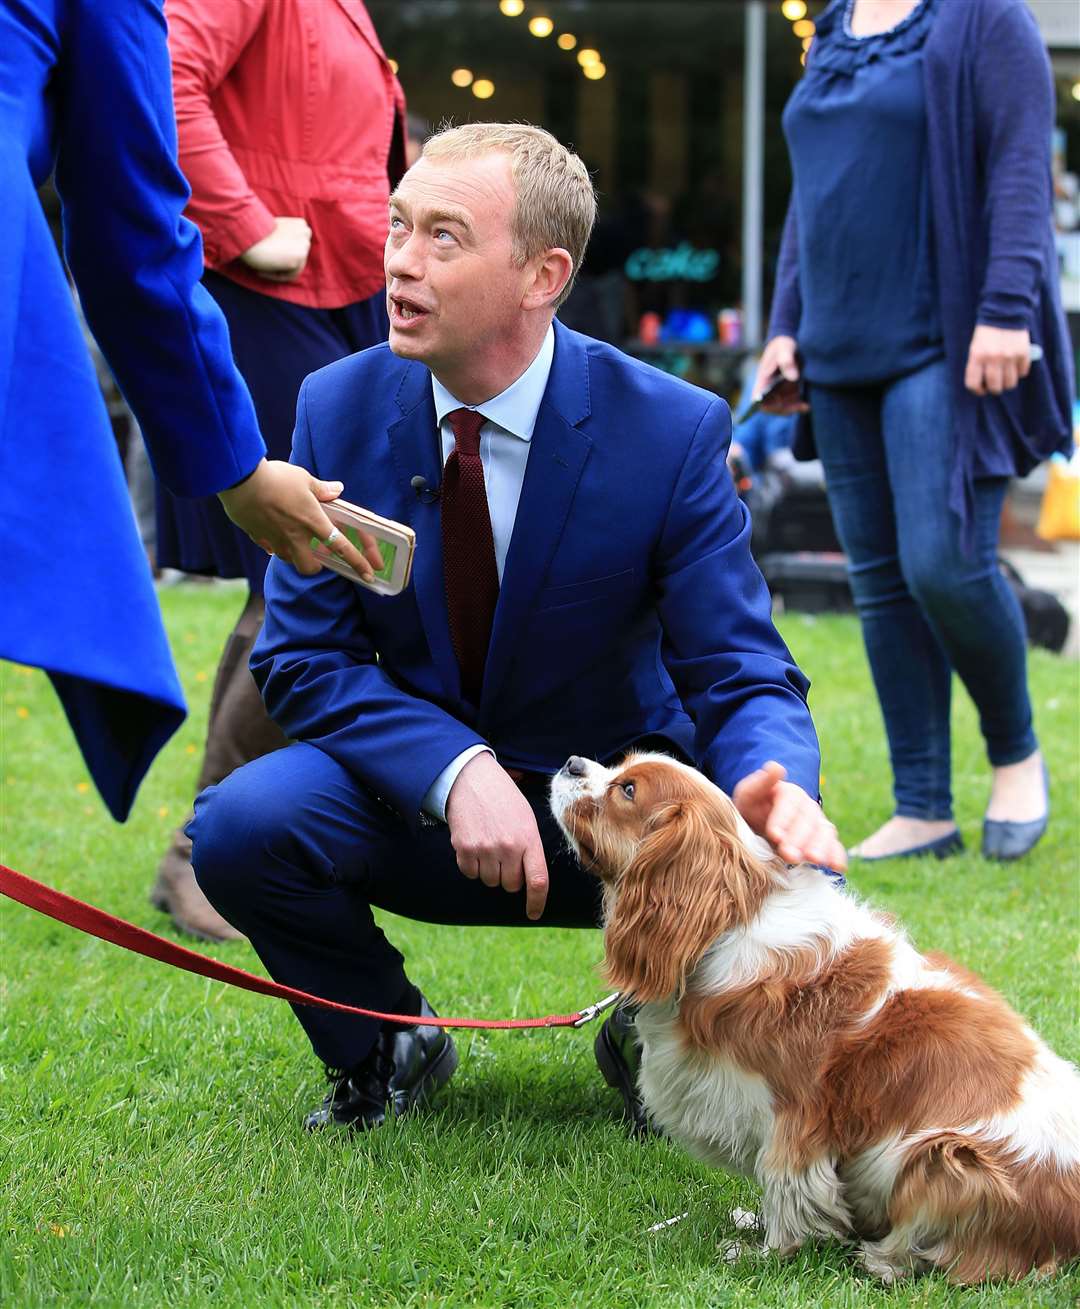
(583,584)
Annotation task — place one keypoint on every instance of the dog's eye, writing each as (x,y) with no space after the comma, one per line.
(628,790)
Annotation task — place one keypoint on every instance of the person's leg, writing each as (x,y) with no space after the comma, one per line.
(140,480)
(277,848)
(959,585)
(276,344)
(239,729)
(294,851)
(911,674)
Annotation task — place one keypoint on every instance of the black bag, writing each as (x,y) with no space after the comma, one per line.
(1045,617)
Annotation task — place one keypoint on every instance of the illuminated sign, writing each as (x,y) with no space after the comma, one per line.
(682,264)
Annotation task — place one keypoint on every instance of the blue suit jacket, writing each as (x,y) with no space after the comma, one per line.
(629,604)
(84,86)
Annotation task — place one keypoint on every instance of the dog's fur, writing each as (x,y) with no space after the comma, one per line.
(794,1035)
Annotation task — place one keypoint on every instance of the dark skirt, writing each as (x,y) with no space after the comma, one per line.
(276,345)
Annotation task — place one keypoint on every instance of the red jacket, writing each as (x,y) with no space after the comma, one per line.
(287,108)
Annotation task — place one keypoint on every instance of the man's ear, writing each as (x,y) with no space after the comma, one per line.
(550,275)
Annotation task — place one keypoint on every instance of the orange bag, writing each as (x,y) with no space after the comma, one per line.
(1059,514)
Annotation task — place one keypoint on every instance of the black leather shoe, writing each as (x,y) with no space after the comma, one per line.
(618,1054)
(404,1068)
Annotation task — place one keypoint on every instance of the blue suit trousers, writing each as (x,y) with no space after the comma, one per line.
(295,852)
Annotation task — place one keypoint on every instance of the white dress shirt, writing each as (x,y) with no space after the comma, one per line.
(505,438)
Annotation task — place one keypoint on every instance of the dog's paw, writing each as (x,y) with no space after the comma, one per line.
(887,1265)
(733,1252)
(745,1220)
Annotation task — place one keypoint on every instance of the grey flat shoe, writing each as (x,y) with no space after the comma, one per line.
(941,848)
(1004,841)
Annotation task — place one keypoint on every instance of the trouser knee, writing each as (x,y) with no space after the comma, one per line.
(229,830)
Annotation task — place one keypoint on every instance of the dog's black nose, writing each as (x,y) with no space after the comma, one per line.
(575,766)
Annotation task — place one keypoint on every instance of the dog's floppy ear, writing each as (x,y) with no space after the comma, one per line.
(691,881)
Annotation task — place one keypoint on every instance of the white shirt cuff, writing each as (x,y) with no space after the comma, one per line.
(439,791)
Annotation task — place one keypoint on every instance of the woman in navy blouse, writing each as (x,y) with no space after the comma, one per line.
(917,272)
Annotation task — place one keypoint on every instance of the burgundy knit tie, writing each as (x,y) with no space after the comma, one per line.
(469,570)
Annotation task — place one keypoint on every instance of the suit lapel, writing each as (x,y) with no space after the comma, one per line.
(556,460)
(414,444)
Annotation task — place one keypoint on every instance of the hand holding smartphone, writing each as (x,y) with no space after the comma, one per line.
(396,543)
(780,396)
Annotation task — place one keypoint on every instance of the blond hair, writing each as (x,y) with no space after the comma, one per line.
(555,204)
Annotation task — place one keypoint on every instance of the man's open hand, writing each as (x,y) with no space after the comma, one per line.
(494,834)
(789,820)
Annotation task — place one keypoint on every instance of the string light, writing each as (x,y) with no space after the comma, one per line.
(393,66)
(807,41)
(793,10)
(483,89)
(541,26)
(594,72)
(588,56)
(804,27)
(511,8)
(462,77)
(566,41)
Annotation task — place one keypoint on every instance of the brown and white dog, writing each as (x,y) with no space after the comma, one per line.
(792,1034)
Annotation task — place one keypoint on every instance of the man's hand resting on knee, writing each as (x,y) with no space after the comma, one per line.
(494,834)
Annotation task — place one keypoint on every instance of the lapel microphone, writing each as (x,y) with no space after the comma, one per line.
(425,494)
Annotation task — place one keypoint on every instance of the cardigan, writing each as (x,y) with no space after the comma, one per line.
(286,108)
(990,114)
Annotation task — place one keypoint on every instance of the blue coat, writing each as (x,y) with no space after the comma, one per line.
(84,87)
(989,119)
(630,604)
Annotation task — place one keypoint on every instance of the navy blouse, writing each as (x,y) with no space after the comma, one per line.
(856,133)
(989,98)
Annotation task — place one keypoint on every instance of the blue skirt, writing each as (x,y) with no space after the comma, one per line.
(276,344)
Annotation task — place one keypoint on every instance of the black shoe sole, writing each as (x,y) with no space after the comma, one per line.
(616,1074)
(438,1074)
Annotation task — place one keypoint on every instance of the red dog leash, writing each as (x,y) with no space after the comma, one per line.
(96,922)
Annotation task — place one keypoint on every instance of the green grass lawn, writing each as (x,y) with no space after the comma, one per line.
(150,1151)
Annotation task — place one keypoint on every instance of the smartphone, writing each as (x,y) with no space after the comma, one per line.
(777,388)
(396,544)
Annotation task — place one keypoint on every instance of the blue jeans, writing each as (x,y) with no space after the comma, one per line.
(927,606)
